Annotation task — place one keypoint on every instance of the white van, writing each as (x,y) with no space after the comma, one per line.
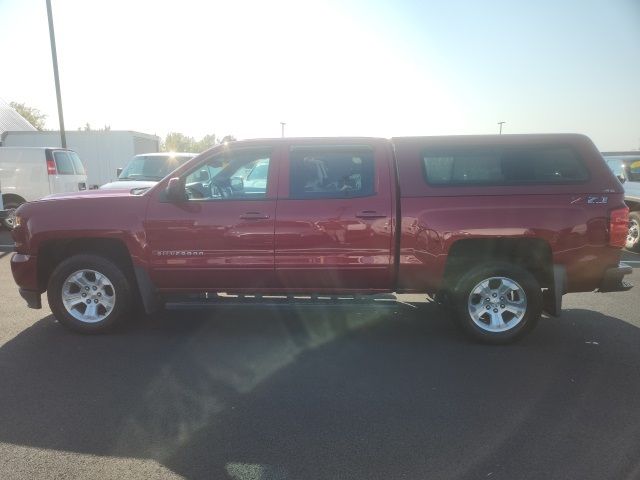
(30,173)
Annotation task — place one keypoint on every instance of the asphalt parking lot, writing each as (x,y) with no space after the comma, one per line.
(359,392)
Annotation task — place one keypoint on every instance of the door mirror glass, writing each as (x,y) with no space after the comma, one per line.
(622,178)
(175,190)
(118,171)
(237,184)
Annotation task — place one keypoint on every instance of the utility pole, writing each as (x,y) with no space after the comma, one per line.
(54,58)
(501,123)
(282,124)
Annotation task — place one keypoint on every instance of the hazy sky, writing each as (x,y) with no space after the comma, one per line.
(336,67)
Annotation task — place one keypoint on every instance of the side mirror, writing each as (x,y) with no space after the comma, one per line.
(237,184)
(118,171)
(622,178)
(175,190)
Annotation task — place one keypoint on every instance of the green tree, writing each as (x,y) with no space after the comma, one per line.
(228,138)
(178,142)
(34,116)
(206,142)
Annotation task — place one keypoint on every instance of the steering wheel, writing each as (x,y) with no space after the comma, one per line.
(193,193)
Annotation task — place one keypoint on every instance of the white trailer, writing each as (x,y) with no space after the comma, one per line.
(102,152)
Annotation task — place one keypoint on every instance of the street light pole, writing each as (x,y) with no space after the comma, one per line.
(54,58)
(282,124)
(501,123)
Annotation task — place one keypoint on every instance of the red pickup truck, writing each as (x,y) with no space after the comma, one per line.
(497,227)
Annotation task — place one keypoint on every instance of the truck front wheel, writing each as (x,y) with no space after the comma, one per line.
(89,293)
(497,302)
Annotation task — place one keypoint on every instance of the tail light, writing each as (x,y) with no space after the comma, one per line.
(618,227)
(51,166)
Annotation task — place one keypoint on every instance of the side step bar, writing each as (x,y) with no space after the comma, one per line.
(214,300)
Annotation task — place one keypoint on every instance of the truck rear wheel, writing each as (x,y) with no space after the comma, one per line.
(497,302)
(633,237)
(89,293)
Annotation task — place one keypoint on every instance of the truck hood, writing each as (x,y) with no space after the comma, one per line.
(128,184)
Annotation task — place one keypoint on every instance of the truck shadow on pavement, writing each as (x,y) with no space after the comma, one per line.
(331,393)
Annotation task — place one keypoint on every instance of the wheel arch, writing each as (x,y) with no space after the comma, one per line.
(52,252)
(12,198)
(532,254)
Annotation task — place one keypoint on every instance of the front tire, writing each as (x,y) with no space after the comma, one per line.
(89,293)
(633,237)
(497,302)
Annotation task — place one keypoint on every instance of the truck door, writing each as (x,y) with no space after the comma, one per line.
(334,218)
(220,236)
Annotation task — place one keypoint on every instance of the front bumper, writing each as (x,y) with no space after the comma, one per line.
(25,271)
(32,298)
(613,279)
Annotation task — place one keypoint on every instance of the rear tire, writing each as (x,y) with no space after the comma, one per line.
(633,237)
(89,293)
(497,302)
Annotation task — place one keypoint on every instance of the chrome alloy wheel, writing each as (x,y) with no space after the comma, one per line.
(10,220)
(497,304)
(634,233)
(88,296)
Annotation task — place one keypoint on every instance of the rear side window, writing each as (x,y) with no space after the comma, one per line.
(503,166)
(77,163)
(331,172)
(64,164)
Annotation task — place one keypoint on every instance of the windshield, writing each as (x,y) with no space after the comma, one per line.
(151,167)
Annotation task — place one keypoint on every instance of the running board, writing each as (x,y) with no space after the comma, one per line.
(214,300)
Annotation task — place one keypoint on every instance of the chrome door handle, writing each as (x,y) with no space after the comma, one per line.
(369,214)
(254,216)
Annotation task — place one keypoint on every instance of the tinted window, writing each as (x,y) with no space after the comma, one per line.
(331,172)
(504,166)
(238,175)
(77,163)
(64,164)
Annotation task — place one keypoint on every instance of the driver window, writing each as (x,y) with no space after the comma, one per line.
(237,175)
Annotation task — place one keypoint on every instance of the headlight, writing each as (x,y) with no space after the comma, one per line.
(17,221)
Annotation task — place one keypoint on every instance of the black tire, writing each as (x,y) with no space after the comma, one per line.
(121,289)
(514,326)
(633,238)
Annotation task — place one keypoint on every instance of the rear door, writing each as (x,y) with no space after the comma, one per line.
(334,218)
(69,175)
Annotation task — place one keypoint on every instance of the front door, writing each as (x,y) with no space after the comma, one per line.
(334,219)
(220,236)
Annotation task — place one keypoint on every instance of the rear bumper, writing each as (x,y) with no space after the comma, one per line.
(613,280)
